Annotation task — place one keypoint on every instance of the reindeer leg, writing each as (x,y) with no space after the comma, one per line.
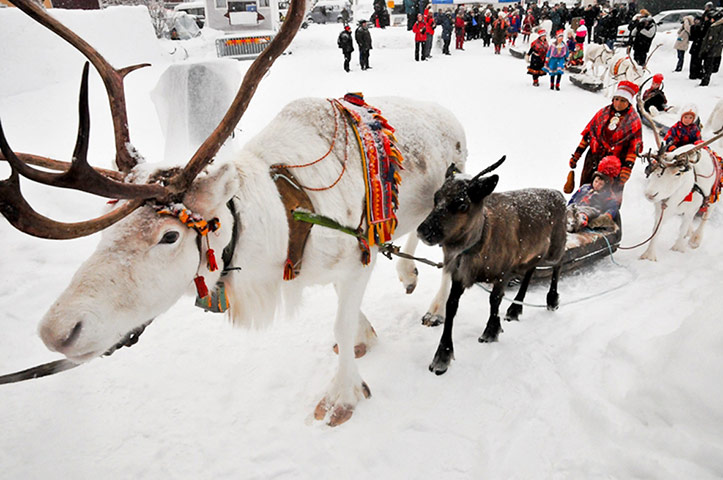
(698,233)
(434,315)
(553,298)
(515,310)
(649,253)
(685,226)
(406,270)
(445,350)
(493,328)
(364,339)
(347,387)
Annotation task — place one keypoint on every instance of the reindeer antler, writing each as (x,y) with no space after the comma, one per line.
(718,134)
(491,167)
(79,175)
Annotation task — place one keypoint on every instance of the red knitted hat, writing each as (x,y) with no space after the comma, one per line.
(658,78)
(609,166)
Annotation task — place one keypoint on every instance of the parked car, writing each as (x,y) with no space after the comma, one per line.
(329,11)
(196,10)
(665,21)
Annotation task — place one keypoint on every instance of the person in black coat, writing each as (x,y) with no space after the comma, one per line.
(642,31)
(697,31)
(364,40)
(346,44)
(445,19)
(711,46)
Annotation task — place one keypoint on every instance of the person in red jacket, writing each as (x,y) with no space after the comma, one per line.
(420,37)
(459,32)
(614,130)
(431,25)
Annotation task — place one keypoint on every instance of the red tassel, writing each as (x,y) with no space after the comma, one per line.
(201,287)
(212,265)
(289,270)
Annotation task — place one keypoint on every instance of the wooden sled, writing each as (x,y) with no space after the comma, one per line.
(574,68)
(517,52)
(586,82)
(661,122)
(584,248)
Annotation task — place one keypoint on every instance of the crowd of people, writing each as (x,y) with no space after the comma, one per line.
(701,36)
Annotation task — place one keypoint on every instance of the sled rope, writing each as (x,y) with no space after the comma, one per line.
(655,231)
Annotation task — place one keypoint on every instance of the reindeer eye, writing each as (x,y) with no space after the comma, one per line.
(169,237)
(459,205)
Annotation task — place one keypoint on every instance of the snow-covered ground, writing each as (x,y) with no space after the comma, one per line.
(626,385)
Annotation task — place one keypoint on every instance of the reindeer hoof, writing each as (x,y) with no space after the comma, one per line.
(321,408)
(442,359)
(432,320)
(553,301)
(409,281)
(513,313)
(359,350)
(649,256)
(337,414)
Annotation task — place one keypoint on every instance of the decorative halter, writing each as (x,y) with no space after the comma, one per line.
(203,228)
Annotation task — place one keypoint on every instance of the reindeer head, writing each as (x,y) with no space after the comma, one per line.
(145,260)
(457,207)
(667,171)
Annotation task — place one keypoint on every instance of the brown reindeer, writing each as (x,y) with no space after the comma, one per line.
(491,238)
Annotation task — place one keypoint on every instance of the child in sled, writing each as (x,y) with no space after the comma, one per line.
(577,57)
(685,131)
(595,205)
(655,97)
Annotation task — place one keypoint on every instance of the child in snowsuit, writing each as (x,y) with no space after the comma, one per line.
(654,96)
(685,131)
(595,204)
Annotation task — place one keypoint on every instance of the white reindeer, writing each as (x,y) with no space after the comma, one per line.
(622,67)
(680,182)
(153,259)
(596,56)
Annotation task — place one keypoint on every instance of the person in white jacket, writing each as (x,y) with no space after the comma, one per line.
(681,43)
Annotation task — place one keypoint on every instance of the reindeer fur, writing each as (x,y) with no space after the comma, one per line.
(491,238)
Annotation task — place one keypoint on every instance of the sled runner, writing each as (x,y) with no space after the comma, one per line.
(518,52)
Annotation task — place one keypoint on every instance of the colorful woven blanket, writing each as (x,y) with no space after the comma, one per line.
(381,162)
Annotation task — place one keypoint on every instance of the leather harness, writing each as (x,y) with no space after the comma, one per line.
(294,198)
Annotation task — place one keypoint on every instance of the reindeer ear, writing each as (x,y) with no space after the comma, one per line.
(451,170)
(213,189)
(479,188)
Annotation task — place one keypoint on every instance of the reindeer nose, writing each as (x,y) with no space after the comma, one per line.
(72,336)
(59,340)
